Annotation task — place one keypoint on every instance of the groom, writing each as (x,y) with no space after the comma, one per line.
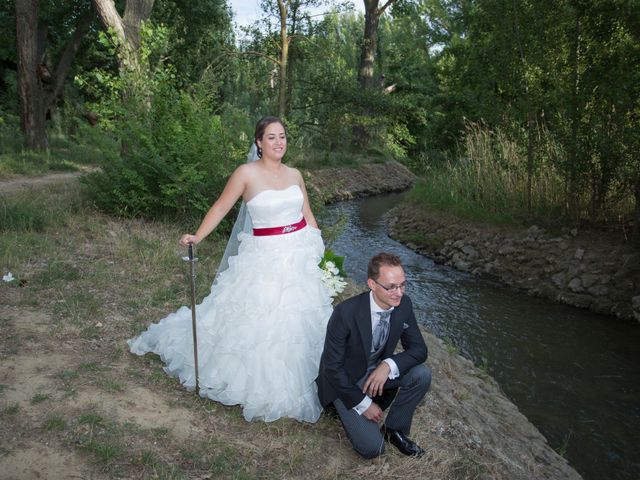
(359,372)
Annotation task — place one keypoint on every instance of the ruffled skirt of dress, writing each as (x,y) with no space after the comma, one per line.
(260,330)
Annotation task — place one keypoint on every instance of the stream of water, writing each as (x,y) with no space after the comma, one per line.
(573,373)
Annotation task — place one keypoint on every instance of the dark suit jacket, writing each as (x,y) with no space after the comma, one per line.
(348,343)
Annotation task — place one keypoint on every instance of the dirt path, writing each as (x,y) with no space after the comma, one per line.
(23,182)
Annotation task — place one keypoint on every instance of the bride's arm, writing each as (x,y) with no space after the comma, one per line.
(232,191)
(306,208)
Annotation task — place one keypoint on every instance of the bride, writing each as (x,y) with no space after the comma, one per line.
(261,329)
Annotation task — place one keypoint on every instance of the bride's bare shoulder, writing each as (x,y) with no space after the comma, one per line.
(294,172)
(246,171)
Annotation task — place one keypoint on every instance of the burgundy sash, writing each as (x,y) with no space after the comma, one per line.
(263,232)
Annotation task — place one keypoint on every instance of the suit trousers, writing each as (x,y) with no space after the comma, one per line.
(364,434)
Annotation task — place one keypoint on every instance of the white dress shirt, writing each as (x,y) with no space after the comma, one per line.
(394,372)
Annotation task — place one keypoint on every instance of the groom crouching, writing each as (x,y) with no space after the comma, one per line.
(359,372)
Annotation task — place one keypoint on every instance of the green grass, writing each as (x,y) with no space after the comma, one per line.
(452,349)
(121,447)
(12,409)
(104,451)
(67,375)
(89,146)
(56,271)
(80,309)
(39,398)
(54,422)
(91,367)
(23,214)
(562,449)
(221,460)
(10,344)
(112,385)
(159,432)
(90,418)
(147,458)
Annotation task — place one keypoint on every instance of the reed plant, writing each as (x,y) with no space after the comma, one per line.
(489,179)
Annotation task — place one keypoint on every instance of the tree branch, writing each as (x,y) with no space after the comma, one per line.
(385,6)
(110,18)
(66,60)
(256,54)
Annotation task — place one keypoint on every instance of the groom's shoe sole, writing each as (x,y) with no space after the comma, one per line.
(402,443)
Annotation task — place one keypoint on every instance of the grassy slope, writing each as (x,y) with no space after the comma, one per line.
(75,403)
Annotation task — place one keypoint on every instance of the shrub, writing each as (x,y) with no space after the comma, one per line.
(175,152)
(175,159)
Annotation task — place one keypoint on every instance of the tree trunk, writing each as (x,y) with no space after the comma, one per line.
(528,107)
(369,43)
(574,60)
(69,54)
(372,14)
(636,220)
(294,8)
(32,111)
(126,29)
(284,53)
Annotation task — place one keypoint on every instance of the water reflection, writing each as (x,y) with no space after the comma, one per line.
(573,373)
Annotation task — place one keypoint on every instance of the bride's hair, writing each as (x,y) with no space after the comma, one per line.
(261,126)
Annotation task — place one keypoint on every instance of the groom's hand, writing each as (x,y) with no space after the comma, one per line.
(375,383)
(373,413)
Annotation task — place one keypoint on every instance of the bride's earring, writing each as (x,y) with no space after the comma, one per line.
(259,152)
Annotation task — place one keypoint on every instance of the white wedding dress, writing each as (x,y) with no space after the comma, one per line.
(261,329)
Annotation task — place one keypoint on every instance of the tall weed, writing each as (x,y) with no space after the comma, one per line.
(35,211)
(489,180)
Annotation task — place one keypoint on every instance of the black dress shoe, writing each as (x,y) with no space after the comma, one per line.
(401,442)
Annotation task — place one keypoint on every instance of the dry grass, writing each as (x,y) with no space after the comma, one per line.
(75,404)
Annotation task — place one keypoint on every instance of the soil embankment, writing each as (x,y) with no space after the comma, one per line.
(338,184)
(584,269)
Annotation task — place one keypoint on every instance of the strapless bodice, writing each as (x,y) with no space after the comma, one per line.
(274,208)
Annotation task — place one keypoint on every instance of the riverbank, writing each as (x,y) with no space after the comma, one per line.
(338,184)
(585,269)
(75,404)
(588,269)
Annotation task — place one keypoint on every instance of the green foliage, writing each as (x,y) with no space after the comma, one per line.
(572,82)
(176,154)
(566,103)
(11,139)
(199,37)
(175,158)
(71,148)
(39,398)
(337,260)
(489,182)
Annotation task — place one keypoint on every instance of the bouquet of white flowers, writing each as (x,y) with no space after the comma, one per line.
(333,272)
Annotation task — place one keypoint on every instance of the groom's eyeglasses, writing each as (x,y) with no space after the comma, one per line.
(393,288)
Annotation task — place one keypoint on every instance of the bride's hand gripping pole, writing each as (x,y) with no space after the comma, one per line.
(192,260)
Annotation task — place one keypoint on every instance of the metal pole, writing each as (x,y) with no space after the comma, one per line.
(192,261)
